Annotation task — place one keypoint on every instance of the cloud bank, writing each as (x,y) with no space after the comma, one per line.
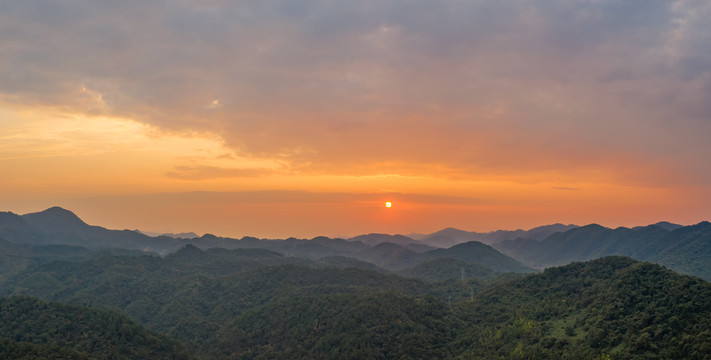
(455,88)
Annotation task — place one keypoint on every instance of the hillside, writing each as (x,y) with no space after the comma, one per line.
(191,294)
(612,306)
(257,304)
(57,226)
(49,329)
(686,249)
(450,236)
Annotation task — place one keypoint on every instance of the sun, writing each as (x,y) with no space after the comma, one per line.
(388,204)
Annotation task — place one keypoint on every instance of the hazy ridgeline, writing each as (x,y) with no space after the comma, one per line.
(88,292)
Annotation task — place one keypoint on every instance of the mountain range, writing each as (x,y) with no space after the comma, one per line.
(686,249)
(76,291)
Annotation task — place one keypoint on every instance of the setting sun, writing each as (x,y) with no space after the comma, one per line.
(388,204)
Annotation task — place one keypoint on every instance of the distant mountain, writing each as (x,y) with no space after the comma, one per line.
(686,249)
(15,227)
(395,257)
(420,248)
(474,252)
(183,235)
(57,220)
(665,225)
(315,248)
(683,248)
(451,236)
(390,256)
(59,226)
(375,239)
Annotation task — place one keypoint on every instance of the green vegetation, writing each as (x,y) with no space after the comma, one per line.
(613,307)
(258,304)
(35,329)
(332,298)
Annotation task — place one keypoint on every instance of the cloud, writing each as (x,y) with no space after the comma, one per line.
(460,88)
(563,188)
(213,172)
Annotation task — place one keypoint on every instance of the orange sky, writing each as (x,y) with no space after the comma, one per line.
(276,119)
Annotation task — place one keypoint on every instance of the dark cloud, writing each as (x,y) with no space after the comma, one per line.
(470,87)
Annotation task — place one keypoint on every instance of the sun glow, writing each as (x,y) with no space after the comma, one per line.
(388,204)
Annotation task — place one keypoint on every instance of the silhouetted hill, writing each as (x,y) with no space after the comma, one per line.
(477,253)
(57,220)
(686,249)
(442,241)
(375,239)
(390,256)
(15,227)
(668,226)
(395,257)
(451,236)
(183,235)
(59,226)
(420,248)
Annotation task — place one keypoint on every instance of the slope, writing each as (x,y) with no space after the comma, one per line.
(612,306)
(80,331)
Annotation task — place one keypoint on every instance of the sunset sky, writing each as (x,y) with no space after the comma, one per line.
(302,118)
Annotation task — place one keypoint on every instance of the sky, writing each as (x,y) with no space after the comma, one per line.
(278,118)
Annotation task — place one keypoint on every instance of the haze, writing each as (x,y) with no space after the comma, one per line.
(283,118)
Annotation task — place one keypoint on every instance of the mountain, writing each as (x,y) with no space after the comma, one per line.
(451,236)
(585,243)
(613,307)
(258,304)
(686,249)
(390,256)
(550,245)
(667,225)
(375,239)
(57,220)
(395,257)
(15,227)
(50,330)
(441,269)
(59,226)
(474,252)
(192,294)
(183,235)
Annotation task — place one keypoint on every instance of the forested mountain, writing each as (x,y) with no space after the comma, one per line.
(34,329)
(190,295)
(361,298)
(686,249)
(258,304)
(60,226)
(614,307)
(375,239)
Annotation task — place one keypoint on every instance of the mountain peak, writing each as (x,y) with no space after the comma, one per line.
(55,219)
